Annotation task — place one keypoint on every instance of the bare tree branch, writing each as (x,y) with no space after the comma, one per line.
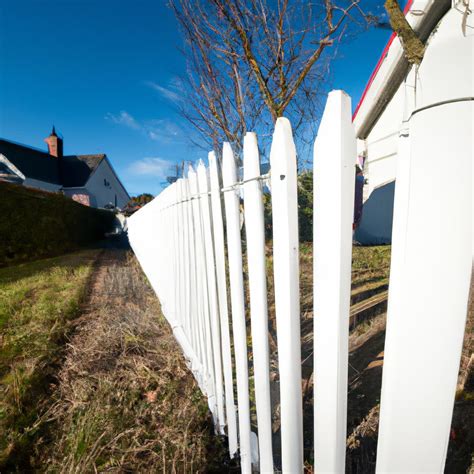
(251,61)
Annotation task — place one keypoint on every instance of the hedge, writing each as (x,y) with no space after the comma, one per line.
(36,224)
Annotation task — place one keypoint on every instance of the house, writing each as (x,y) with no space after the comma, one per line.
(88,179)
(393,94)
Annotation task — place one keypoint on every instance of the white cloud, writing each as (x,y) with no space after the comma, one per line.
(152,167)
(163,130)
(123,118)
(172,92)
(160,130)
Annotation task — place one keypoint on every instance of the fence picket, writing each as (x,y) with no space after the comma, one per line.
(219,249)
(184,269)
(191,292)
(334,177)
(287,297)
(234,251)
(255,234)
(178,311)
(212,295)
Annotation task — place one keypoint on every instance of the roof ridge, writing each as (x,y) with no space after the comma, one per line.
(13,142)
(86,154)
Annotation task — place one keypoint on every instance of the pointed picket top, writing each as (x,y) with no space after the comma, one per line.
(282,147)
(211,158)
(229,169)
(336,120)
(193,184)
(202,172)
(251,156)
(190,170)
(213,171)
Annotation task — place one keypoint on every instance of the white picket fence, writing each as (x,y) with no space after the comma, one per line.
(194,265)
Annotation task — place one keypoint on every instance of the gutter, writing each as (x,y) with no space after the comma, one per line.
(392,67)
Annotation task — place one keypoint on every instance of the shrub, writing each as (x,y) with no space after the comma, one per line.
(35,224)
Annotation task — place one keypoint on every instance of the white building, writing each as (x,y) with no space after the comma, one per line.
(393,94)
(88,179)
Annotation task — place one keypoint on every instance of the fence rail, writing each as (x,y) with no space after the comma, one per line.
(195,267)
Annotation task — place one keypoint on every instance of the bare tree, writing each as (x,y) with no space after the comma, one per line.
(413,47)
(252,61)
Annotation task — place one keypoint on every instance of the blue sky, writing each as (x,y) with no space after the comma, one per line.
(102,72)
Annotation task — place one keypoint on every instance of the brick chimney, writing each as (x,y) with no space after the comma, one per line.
(55,144)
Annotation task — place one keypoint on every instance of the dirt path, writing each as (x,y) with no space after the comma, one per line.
(124,400)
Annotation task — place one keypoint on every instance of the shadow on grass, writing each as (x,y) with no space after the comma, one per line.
(18,271)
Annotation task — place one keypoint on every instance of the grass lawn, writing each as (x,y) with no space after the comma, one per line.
(38,301)
(124,399)
(108,399)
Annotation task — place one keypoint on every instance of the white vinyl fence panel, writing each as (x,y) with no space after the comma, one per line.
(287,292)
(194,261)
(334,180)
(255,234)
(234,250)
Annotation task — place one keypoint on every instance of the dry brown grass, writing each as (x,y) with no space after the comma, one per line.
(125,400)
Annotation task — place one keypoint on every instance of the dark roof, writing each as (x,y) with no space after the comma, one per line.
(32,163)
(67,171)
(76,169)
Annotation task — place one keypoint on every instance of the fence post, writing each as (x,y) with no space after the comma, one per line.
(431,265)
(219,250)
(287,298)
(234,250)
(211,279)
(335,154)
(255,233)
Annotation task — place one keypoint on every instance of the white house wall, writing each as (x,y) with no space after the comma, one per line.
(381,146)
(102,194)
(380,170)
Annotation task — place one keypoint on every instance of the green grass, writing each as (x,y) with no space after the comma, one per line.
(38,300)
(375,257)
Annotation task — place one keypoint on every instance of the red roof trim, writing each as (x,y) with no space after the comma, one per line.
(379,63)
